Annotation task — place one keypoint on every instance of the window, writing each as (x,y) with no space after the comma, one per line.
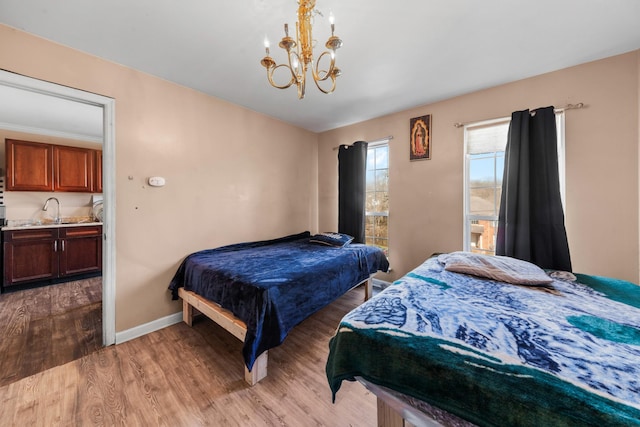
(485,143)
(377,202)
(484,165)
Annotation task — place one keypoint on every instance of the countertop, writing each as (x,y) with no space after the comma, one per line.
(48,225)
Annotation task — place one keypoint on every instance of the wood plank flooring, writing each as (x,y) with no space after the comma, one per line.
(48,326)
(182,376)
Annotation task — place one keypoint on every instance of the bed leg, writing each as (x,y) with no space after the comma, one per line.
(388,417)
(368,289)
(259,370)
(187,312)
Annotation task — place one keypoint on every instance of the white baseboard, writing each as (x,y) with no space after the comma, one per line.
(152,326)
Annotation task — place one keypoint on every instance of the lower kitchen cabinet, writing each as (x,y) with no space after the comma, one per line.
(51,253)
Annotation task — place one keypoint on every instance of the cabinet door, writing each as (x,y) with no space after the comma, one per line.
(30,255)
(80,250)
(73,169)
(29,166)
(97,178)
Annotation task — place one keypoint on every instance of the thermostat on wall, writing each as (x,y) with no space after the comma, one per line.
(156,181)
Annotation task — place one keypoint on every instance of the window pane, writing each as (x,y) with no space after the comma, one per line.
(382,243)
(482,171)
(382,180)
(382,157)
(381,233)
(381,227)
(368,226)
(482,201)
(371,160)
(371,183)
(370,202)
(383,200)
(377,202)
(499,167)
(483,236)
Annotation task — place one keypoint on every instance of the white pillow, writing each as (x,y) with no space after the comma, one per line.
(501,268)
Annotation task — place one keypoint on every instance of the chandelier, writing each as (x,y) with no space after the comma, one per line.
(300,53)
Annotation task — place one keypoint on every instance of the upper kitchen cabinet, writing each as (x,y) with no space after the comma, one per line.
(34,166)
(29,166)
(97,182)
(73,169)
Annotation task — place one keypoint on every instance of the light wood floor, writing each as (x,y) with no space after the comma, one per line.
(182,376)
(48,326)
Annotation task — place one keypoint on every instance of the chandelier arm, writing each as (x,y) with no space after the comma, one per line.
(301,87)
(273,83)
(294,70)
(333,84)
(322,75)
(299,72)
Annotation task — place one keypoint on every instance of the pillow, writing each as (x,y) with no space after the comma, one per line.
(331,239)
(501,268)
(563,275)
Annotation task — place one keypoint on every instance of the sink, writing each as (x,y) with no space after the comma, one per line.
(75,220)
(71,221)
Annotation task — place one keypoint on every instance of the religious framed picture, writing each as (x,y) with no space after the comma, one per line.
(420,138)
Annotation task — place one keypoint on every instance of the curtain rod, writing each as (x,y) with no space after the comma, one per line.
(386,138)
(557,110)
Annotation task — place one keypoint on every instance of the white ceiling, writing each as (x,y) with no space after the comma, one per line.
(396,55)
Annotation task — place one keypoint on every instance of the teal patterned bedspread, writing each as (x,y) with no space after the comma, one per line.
(498,354)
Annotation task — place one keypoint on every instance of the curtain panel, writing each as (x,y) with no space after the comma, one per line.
(531,218)
(352,179)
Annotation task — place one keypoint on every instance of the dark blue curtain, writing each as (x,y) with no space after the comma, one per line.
(352,180)
(531,219)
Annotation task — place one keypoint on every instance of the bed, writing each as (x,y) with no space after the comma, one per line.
(465,337)
(259,291)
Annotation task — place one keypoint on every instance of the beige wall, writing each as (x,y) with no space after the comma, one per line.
(232,174)
(426,197)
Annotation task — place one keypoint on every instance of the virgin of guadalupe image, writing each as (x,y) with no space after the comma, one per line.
(419,139)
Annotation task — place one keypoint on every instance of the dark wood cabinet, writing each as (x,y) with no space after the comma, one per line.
(39,254)
(34,166)
(29,166)
(80,250)
(73,169)
(97,176)
(30,255)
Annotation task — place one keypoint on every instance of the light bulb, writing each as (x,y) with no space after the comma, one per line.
(332,20)
(266,45)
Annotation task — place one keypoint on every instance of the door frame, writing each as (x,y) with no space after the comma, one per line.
(108,105)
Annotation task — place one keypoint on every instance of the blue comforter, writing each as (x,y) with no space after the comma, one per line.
(495,353)
(273,285)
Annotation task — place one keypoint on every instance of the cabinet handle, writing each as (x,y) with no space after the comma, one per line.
(62,245)
(55,246)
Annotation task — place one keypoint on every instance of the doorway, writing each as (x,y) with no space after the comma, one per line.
(29,86)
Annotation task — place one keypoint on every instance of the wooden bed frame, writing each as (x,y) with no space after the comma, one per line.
(394,410)
(192,304)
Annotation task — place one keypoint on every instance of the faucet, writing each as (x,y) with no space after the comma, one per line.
(46,205)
